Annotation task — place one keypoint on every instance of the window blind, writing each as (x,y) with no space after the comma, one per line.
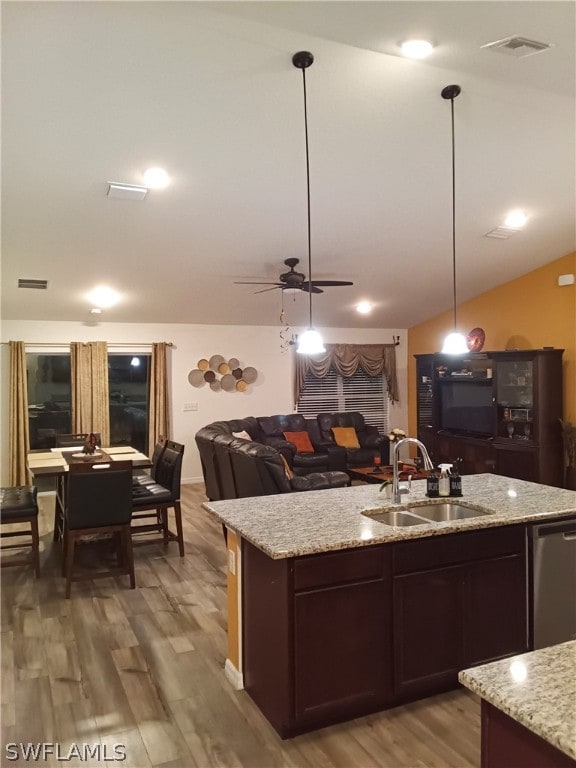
(363,393)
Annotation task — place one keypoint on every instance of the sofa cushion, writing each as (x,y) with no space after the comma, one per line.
(301,440)
(346,437)
(242,435)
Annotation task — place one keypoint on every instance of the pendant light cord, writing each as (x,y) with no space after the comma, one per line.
(308,197)
(453,214)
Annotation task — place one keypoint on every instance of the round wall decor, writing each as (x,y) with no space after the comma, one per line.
(222,375)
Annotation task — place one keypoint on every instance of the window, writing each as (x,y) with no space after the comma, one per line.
(128,386)
(50,398)
(363,393)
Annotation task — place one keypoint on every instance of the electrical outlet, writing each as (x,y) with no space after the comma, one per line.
(190,406)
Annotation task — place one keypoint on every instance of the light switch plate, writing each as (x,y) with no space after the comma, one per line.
(190,406)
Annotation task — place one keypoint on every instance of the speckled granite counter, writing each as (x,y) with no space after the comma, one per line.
(294,524)
(536,689)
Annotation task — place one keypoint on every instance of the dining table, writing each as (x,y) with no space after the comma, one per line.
(55,463)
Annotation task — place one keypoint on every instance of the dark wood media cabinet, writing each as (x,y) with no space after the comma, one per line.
(338,635)
(494,412)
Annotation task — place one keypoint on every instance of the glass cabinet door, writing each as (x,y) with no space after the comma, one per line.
(514,399)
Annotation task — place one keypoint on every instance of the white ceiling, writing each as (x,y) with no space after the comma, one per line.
(94,92)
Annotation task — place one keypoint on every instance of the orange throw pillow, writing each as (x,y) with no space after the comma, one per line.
(346,437)
(301,440)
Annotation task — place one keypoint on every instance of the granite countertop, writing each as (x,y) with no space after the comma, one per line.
(294,524)
(536,689)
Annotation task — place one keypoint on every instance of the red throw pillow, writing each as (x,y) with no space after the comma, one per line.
(301,440)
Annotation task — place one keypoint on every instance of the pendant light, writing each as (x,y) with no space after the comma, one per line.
(454,343)
(309,342)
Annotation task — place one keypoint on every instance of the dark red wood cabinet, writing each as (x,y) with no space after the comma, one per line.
(459,600)
(338,635)
(519,396)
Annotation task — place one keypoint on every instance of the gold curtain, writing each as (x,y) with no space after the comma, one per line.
(90,399)
(374,359)
(159,419)
(18,431)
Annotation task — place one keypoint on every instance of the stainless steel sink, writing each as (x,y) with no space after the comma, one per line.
(397,517)
(445,511)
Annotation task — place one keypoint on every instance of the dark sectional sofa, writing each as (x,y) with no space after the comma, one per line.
(234,467)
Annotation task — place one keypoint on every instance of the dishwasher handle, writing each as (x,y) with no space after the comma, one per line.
(568,529)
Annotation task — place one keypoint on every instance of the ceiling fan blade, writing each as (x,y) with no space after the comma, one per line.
(326,283)
(276,285)
(306,287)
(266,289)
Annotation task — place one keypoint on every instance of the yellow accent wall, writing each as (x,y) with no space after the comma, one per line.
(233,617)
(530,312)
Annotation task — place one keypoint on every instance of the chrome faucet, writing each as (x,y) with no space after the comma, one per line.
(397,489)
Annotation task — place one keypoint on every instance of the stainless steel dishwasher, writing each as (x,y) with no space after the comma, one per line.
(553,577)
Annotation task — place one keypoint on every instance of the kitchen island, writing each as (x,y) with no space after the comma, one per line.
(332,614)
(528,708)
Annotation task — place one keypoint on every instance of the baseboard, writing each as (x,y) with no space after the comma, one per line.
(234,676)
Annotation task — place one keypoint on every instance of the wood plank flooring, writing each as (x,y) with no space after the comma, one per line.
(144,668)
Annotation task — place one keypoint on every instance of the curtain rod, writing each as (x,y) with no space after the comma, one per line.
(112,344)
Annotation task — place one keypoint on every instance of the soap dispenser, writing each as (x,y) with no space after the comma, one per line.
(444,480)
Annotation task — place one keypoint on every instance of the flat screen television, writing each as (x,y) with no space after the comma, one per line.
(466,406)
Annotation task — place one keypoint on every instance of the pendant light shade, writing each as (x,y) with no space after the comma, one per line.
(309,342)
(454,343)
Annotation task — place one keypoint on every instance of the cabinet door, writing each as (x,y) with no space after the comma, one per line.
(520,462)
(495,618)
(342,651)
(427,631)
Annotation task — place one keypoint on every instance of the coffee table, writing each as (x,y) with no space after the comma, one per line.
(367,474)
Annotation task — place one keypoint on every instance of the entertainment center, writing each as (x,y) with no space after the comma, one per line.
(493,412)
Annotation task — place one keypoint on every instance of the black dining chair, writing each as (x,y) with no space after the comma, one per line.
(148,478)
(156,499)
(75,440)
(98,501)
(19,506)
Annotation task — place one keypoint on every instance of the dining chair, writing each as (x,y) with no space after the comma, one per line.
(156,499)
(19,505)
(98,501)
(75,440)
(148,478)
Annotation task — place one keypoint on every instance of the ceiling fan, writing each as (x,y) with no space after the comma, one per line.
(295,281)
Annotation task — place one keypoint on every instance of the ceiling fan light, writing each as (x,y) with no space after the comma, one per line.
(455,344)
(310,343)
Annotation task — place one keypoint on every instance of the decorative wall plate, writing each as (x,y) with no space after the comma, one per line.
(222,375)
(475,339)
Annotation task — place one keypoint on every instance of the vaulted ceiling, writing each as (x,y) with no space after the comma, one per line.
(96,92)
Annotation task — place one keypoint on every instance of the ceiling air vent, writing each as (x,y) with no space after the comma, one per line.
(41,284)
(502,233)
(518,46)
(126,191)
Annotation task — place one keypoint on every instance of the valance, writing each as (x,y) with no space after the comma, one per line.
(374,359)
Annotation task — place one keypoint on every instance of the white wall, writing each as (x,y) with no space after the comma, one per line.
(258,347)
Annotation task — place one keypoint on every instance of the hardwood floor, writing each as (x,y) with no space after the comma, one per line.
(144,668)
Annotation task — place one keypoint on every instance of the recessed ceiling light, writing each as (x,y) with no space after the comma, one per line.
(156,178)
(364,307)
(516,219)
(103,297)
(416,49)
